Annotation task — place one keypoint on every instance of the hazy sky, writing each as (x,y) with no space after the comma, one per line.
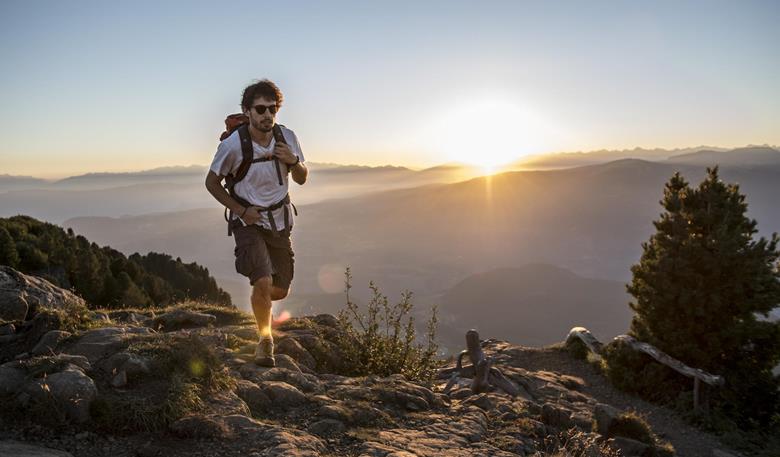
(115,86)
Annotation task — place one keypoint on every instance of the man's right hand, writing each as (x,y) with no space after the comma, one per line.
(252,215)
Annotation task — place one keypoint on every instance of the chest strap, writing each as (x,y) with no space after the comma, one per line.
(284,202)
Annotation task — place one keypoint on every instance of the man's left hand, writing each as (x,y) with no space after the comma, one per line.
(284,153)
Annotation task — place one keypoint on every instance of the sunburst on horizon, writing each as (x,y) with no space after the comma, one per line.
(490,134)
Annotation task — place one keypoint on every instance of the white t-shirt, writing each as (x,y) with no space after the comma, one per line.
(260,186)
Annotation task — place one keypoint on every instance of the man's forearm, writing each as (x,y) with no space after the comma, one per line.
(223,197)
(299,173)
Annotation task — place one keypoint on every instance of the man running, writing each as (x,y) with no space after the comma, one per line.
(261,219)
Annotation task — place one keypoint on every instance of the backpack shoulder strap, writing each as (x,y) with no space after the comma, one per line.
(278,135)
(247,153)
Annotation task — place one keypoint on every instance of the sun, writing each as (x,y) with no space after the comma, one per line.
(489,134)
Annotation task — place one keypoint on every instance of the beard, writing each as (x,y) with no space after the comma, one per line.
(265,125)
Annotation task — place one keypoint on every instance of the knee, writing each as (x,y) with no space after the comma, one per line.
(279,293)
(262,288)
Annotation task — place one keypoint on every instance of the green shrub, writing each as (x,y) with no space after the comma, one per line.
(631,425)
(382,341)
(577,349)
(638,373)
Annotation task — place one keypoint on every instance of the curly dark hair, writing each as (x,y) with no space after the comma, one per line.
(263,88)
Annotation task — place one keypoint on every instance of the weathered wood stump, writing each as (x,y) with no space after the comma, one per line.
(482,372)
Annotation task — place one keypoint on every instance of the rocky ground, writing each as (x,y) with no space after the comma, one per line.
(180,381)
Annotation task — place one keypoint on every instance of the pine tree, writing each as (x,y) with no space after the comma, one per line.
(700,284)
(8,254)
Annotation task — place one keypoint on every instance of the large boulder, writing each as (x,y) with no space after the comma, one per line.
(283,395)
(21,295)
(556,416)
(13,306)
(12,377)
(605,416)
(49,342)
(97,344)
(70,391)
(293,348)
(179,319)
(253,395)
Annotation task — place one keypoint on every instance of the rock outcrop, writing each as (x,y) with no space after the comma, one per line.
(21,295)
(180,375)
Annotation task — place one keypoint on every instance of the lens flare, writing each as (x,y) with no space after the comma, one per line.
(285,315)
(331,278)
(197,367)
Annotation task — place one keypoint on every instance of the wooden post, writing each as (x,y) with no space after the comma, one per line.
(485,375)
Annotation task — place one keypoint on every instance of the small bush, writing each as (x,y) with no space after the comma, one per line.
(573,443)
(633,426)
(638,373)
(577,349)
(382,341)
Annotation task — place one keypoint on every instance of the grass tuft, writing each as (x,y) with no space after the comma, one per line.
(185,370)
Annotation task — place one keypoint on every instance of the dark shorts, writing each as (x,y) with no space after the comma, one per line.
(259,253)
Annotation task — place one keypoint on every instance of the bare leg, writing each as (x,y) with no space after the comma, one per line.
(261,305)
(263,294)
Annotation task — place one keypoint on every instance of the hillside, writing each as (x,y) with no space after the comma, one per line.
(103,276)
(534,305)
(177,382)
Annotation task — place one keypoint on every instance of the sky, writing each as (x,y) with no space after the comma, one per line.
(89,86)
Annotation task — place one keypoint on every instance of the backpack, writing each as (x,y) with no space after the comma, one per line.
(240,122)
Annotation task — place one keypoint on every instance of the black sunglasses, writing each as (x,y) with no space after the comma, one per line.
(260,109)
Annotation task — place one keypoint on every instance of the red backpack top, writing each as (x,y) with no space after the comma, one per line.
(232,122)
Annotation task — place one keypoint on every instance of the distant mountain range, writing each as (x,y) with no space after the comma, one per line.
(11,182)
(701,155)
(453,171)
(590,220)
(743,157)
(182,188)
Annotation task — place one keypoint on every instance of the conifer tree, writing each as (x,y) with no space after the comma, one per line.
(8,254)
(700,285)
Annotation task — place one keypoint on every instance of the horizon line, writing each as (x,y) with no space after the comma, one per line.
(57,177)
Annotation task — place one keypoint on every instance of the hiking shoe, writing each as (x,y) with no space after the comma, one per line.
(264,354)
